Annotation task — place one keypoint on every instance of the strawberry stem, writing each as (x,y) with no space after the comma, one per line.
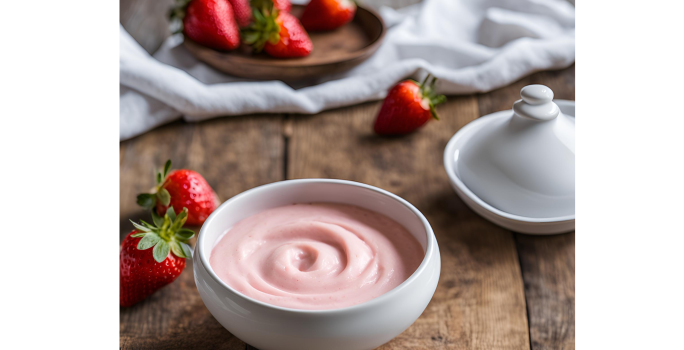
(428,91)
(264,28)
(149,200)
(423,84)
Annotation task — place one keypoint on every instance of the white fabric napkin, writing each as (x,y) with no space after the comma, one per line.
(470,45)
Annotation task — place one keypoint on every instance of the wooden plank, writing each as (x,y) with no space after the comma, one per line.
(548,263)
(479,302)
(234,154)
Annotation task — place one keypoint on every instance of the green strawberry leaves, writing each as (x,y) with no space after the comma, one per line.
(264,28)
(167,167)
(180,249)
(149,200)
(428,92)
(161,251)
(139,227)
(187,251)
(176,248)
(166,235)
(150,240)
(161,175)
(158,220)
(164,196)
(172,214)
(184,234)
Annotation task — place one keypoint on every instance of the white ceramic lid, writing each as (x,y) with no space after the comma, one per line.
(523,164)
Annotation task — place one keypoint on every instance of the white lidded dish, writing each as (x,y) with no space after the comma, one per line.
(516,168)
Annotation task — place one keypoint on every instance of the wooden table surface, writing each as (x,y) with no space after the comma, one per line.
(498,289)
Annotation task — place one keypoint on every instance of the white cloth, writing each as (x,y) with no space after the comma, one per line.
(470,45)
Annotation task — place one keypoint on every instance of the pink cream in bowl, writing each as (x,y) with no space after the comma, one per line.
(317,256)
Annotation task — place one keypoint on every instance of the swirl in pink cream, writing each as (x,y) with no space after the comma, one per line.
(316,256)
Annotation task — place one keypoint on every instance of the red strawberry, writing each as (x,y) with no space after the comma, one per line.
(208,22)
(278,33)
(328,14)
(293,41)
(407,107)
(243,12)
(143,270)
(281,5)
(180,189)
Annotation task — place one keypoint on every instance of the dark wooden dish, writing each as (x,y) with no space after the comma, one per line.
(333,52)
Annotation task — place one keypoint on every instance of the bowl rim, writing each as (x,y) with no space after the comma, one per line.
(449,167)
(429,250)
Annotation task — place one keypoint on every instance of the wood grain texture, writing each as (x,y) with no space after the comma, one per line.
(479,302)
(548,263)
(233,154)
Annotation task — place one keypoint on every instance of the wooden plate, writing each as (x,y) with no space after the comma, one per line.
(333,52)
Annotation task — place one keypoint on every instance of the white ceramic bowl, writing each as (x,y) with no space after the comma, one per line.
(363,326)
(518,223)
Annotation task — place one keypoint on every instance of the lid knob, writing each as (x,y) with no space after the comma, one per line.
(536,104)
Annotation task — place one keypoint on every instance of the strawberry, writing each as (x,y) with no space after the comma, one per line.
(281,5)
(143,270)
(179,189)
(407,107)
(208,22)
(278,33)
(327,14)
(242,11)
